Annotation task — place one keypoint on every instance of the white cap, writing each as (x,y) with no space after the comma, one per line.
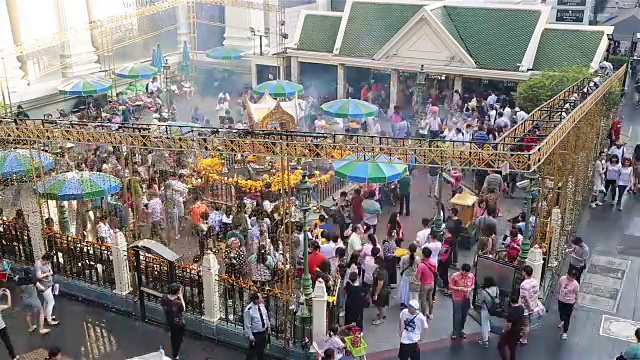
(414,304)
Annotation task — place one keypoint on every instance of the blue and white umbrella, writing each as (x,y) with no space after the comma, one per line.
(21,162)
(86,85)
(349,109)
(380,170)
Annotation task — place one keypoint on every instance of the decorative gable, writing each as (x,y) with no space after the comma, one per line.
(423,40)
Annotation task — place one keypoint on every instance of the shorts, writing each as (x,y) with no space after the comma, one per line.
(31,305)
(526,321)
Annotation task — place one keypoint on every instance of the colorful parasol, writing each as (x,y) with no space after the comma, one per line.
(185,62)
(381,170)
(349,109)
(224,53)
(279,88)
(137,71)
(86,85)
(23,162)
(79,185)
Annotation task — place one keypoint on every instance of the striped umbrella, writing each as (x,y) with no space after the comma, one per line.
(136,71)
(159,59)
(186,59)
(79,185)
(279,88)
(381,170)
(86,85)
(224,53)
(23,162)
(349,109)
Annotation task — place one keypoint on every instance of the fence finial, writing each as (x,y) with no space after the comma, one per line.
(211,290)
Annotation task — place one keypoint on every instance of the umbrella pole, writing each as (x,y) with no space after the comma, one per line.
(42,174)
(38,200)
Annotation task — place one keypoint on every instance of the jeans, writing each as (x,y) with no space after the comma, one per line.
(4,336)
(621,190)
(404,204)
(610,185)
(48,303)
(485,323)
(177,334)
(460,312)
(565,310)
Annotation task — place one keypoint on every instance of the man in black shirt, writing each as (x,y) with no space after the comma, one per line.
(508,343)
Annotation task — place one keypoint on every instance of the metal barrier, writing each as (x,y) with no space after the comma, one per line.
(86,261)
(15,242)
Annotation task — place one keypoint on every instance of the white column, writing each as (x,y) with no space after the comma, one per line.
(393,88)
(295,69)
(341,82)
(237,21)
(319,315)
(210,269)
(457,83)
(323,5)
(535,260)
(120,257)
(9,65)
(78,54)
(184,29)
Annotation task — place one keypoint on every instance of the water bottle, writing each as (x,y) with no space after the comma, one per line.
(161,352)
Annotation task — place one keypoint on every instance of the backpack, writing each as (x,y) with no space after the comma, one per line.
(494,307)
(414,282)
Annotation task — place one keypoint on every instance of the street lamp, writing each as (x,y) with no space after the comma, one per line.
(304,189)
(166,70)
(532,179)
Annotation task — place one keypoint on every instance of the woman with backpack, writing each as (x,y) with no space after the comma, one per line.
(408,266)
(489,299)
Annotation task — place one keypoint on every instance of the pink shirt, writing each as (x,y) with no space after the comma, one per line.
(529,290)
(425,272)
(460,279)
(568,290)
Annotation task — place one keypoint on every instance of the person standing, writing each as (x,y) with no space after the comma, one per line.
(529,290)
(461,284)
(256,327)
(434,175)
(625,181)
(380,290)
(4,333)
(355,301)
(371,211)
(435,246)
(579,253)
(412,324)
(44,284)
(357,211)
(173,306)
(488,298)
(426,272)
(612,174)
(599,169)
(408,268)
(32,307)
(404,187)
(422,235)
(508,343)
(568,289)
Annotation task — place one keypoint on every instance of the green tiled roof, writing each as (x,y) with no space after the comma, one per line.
(563,47)
(319,33)
(495,38)
(371,25)
(443,18)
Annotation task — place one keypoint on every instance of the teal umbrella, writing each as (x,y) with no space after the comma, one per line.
(224,53)
(349,109)
(86,85)
(159,60)
(79,185)
(136,71)
(279,88)
(185,62)
(380,170)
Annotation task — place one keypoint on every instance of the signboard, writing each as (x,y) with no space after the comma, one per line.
(572,3)
(569,16)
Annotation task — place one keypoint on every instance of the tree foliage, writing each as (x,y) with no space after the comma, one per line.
(612,99)
(540,89)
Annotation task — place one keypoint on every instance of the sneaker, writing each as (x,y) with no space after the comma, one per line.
(53,322)
(44,331)
(598,203)
(483,343)
(564,336)
(33,328)
(593,205)
(377,322)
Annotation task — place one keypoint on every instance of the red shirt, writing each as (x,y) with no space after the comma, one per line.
(616,127)
(356,206)
(315,259)
(363,93)
(425,272)
(461,279)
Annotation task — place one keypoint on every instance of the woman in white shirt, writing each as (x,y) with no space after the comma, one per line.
(599,168)
(625,180)
(612,174)
(222,107)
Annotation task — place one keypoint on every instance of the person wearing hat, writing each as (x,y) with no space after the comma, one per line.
(412,323)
